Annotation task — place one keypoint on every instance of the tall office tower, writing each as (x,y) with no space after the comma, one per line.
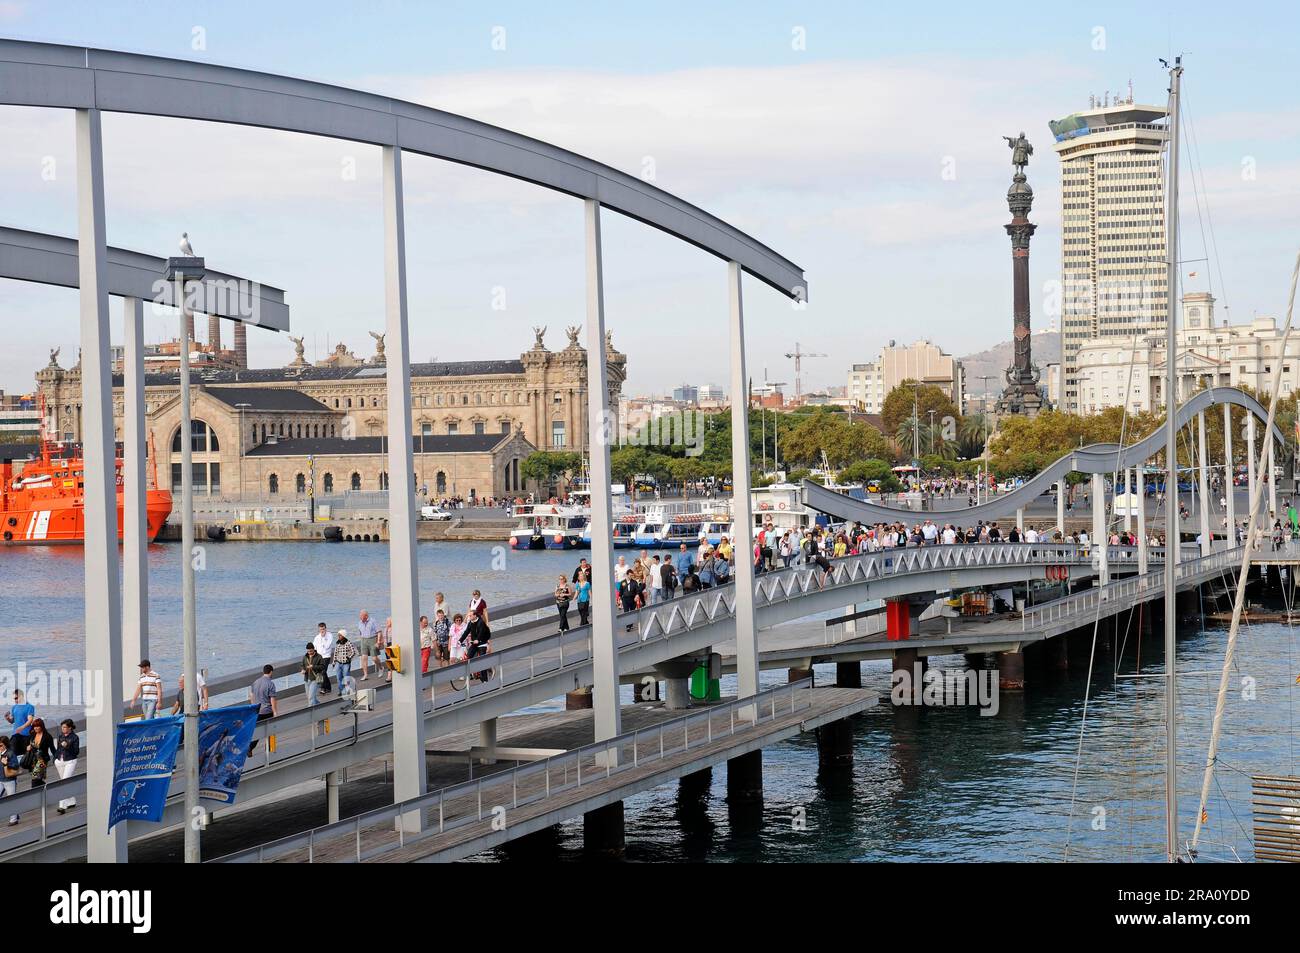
(1112,228)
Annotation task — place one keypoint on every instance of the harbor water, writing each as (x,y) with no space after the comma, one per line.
(936,784)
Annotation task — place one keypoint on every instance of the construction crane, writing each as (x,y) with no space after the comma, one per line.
(798,354)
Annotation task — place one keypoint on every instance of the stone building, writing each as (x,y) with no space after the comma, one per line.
(537,401)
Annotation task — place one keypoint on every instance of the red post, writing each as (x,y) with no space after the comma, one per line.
(898,620)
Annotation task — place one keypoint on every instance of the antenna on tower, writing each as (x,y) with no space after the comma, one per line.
(1130,90)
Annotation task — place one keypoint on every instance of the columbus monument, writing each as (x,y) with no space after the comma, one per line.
(1021,393)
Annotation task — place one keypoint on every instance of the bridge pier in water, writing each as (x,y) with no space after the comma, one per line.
(848,674)
(603,831)
(835,744)
(1011,671)
(745,780)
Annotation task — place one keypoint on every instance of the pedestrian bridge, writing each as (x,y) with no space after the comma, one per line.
(530,668)
(1098,458)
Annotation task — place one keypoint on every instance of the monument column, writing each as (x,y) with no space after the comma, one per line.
(1021,394)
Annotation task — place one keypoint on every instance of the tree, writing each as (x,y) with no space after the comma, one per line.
(545,466)
(900,401)
(841,440)
(864,471)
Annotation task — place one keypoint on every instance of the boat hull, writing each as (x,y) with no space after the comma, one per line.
(61,520)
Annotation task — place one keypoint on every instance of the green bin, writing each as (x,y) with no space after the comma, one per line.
(703,688)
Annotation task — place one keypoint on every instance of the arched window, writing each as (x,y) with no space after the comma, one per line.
(478,398)
(282,428)
(383,481)
(263,433)
(464,400)
(355,481)
(202,438)
(300,483)
(441,482)
(254,433)
(329,483)
(273,484)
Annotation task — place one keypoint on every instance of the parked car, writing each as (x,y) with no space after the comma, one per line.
(434,513)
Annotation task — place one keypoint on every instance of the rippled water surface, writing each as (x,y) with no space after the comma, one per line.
(935,784)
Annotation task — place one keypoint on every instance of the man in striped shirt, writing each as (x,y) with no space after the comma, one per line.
(148,691)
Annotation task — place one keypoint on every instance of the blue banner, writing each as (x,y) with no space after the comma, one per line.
(142,772)
(224,737)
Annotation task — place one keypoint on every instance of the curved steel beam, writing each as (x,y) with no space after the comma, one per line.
(1097,458)
(52,260)
(73,77)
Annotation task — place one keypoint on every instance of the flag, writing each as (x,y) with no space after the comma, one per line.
(144,759)
(224,737)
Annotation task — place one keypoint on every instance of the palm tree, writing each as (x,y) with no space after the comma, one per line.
(970,435)
(910,431)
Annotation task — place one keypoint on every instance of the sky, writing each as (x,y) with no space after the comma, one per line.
(863,142)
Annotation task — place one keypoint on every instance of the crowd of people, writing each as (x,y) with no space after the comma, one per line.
(29,749)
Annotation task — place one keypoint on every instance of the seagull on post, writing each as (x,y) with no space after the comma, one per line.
(186,248)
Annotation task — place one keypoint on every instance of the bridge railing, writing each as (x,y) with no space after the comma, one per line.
(1125,590)
(378,832)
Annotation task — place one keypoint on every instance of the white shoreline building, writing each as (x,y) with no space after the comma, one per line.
(1114,373)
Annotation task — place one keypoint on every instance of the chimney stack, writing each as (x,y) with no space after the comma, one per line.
(241,344)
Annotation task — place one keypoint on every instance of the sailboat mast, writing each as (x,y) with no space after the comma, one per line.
(1172,546)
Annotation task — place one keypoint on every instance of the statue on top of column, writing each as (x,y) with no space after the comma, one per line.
(1021,150)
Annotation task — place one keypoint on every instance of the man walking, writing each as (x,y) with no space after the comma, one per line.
(314,674)
(148,690)
(262,694)
(324,643)
(367,633)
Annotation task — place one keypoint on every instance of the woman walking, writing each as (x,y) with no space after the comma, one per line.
(66,750)
(40,752)
(8,774)
(584,597)
(563,596)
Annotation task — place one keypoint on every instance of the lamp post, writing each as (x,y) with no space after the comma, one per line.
(931,431)
(179,270)
(240,407)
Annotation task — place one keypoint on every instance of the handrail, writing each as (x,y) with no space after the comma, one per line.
(1097,458)
(1037,616)
(608,758)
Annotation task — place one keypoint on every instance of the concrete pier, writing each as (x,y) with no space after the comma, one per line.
(1011,671)
(578,699)
(602,831)
(745,779)
(848,674)
(835,744)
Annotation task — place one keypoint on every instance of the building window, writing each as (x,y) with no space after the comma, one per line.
(479,427)
(558,399)
(478,398)
(441,482)
(464,400)
(453,429)
(202,438)
(329,483)
(273,484)
(355,481)
(383,481)
(505,426)
(300,483)
(254,433)
(263,433)
(426,430)
(557,433)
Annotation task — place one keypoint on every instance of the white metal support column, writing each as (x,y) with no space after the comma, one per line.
(604,641)
(1061,490)
(1141,493)
(410,777)
(1250,455)
(1128,492)
(1227,476)
(1100,538)
(1203,486)
(1020,519)
(741,503)
(103,624)
(1273,514)
(135,518)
